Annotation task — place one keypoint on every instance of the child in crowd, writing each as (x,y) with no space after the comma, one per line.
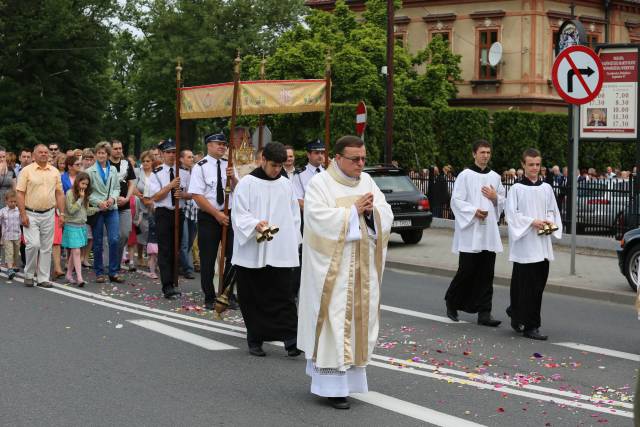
(10,220)
(152,246)
(74,236)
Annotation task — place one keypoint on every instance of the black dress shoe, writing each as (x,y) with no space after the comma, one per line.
(452,313)
(294,352)
(518,327)
(170,296)
(257,351)
(189,276)
(485,319)
(177,292)
(534,334)
(339,402)
(210,305)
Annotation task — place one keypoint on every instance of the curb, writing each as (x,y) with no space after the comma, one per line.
(552,286)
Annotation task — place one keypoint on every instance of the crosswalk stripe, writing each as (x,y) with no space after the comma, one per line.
(600,350)
(412,410)
(181,335)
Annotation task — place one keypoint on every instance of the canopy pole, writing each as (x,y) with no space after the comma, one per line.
(222,301)
(327,110)
(176,210)
(261,117)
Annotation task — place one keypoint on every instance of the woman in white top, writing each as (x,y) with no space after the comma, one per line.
(143,207)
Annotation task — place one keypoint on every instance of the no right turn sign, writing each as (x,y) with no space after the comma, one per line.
(577,75)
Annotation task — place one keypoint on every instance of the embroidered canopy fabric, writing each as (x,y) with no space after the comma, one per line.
(256,97)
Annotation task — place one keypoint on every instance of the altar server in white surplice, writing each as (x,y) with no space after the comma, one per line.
(347,222)
(262,199)
(531,205)
(477,202)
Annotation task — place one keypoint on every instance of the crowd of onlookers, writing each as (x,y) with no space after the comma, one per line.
(120,229)
(107,222)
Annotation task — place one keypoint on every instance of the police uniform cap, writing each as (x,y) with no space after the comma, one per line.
(215,137)
(316,145)
(167,145)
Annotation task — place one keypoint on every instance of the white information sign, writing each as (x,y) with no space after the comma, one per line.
(613,113)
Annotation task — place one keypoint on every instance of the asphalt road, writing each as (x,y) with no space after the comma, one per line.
(120,355)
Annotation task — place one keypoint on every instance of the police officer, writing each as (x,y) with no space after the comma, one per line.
(301,178)
(208,181)
(165,191)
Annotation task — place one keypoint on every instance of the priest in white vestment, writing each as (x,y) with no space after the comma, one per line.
(477,202)
(263,199)
(347,222)
(531,205)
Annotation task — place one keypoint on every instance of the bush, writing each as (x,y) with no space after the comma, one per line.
(456,129)
(513,132)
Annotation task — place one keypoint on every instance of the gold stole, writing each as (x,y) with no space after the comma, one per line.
(359,281)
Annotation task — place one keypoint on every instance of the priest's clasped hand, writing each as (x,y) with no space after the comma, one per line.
(364,204)
(490,193)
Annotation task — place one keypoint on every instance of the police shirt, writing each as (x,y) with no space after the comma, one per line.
(302,177)
(204,179)
(161,178)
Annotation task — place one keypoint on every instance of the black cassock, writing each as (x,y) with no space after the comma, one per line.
(267,304)
(527,285)
(471,289)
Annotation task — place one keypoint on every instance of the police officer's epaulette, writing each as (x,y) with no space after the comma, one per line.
(184,169)
(224,159)
(158,169)
(202,162)
(300,170)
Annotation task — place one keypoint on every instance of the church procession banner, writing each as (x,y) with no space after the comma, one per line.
(256,97)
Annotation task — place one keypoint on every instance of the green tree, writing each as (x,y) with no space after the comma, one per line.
(206,35)
(53,62)
(358,51)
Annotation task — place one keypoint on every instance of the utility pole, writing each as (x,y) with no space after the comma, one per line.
(389,111)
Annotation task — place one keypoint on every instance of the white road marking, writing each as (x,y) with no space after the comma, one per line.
(409,370)
(181,335)
(407,312)
(600,350)
(485,386)
(412,410)
(398,310)
(577,346)
(499,381)
(150,309)
(143,313)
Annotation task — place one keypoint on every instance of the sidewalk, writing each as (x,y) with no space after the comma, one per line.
(597,273)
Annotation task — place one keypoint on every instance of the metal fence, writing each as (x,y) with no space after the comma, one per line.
(607,207)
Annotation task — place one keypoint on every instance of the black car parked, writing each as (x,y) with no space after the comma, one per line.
(628,257)
(411,209)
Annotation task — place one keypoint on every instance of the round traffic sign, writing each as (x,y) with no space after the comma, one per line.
(361,118)
(577,75)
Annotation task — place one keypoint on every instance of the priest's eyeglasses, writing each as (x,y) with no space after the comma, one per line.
(356,159)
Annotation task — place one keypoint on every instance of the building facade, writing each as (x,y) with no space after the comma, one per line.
(525,28)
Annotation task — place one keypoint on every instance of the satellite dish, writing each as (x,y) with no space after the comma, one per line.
(495,54)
